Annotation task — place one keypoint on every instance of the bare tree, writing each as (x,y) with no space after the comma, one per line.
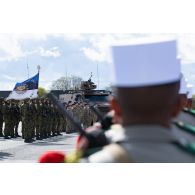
(67,83)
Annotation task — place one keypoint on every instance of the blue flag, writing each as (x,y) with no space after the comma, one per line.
(25,89)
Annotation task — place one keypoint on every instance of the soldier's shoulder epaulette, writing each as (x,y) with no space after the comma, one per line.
(189,111)
(186,146)
(185,127)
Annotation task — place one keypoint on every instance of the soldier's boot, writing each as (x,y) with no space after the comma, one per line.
(59,133)
(43,136)
(38,136)
(13,136)
(12,133)
(1,129)
(1,134)
(16,134)
(28,140)
(7,137)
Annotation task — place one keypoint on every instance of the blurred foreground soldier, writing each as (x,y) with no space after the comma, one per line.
(146,80)
(189,96)
(184,123)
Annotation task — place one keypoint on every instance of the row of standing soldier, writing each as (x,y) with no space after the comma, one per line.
(40,118)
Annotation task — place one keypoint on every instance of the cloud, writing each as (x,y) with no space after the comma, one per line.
(98,49)
(187,48)
(10,78)
(52,52)
(10,48)
(99,44)
(74,36)
(11,45)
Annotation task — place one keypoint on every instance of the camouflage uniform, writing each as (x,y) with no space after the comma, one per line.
(12,120)
(94,117)
(34,116)
(63,124)
(7,119)
(44,119)
(55,121)
(86,116)
(22,117)
(26,124)
(39,121)
(31,120)
(68,122)
(49,117)
(58,122)
(76,115)
(1,117)
(52,119)
(16,118)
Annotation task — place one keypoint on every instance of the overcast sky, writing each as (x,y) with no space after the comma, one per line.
(74,54)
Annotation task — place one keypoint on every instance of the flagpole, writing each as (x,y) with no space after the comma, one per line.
(38,68)
(27,67)
(98,76)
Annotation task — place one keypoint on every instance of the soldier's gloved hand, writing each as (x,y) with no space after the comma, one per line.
(95,138)
(107,122)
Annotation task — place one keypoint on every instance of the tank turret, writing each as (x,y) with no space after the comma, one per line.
(88,85)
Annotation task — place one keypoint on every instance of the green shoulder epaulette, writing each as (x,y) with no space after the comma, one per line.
(186,146)
(189,111)
(185,127)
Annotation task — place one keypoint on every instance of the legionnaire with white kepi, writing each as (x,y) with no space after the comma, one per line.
(184,123)
(146,82)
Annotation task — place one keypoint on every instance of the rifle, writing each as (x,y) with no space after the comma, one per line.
(95,138)
(96,111)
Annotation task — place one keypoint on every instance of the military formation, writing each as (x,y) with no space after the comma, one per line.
(149,118)
(40,119)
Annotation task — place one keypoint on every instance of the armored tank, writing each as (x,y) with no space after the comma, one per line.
(88,85)
(86,93)
(99,98)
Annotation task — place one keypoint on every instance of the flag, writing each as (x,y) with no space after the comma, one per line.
(25,89)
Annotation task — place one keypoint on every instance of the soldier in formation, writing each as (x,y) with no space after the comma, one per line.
(40,118)
(82,112)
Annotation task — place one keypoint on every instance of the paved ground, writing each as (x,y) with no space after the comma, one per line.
(15,150)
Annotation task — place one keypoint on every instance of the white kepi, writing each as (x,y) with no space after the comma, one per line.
(183,85)
(146,63)
(190,91)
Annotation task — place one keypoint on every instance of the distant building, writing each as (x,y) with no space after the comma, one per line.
(4,94)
